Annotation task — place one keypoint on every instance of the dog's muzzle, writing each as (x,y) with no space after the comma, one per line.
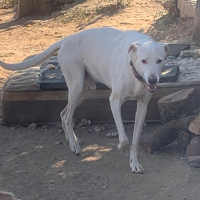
(152,81)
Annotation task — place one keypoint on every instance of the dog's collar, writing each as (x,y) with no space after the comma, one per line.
(140,78)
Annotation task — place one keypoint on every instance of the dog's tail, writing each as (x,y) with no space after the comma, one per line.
(6,196)
(34,61)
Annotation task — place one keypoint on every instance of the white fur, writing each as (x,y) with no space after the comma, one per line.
(104,55)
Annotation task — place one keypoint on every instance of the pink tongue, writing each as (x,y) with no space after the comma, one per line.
(152,88)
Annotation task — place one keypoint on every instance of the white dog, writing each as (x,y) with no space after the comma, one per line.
(127,62)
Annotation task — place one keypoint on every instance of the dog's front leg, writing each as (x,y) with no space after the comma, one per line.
(115,104)
(139,120)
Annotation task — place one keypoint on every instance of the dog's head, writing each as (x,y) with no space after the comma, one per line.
(148,60)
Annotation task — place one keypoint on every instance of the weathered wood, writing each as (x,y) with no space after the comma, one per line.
(165,134)
(29,7)
(177,105)
(197,22)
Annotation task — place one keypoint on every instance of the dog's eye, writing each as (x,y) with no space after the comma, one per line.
(159,61)
(144,61)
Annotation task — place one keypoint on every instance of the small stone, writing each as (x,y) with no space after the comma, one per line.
(32,126)
(52,181)
(97,129)
(194,161)
(84,122)
(193,149)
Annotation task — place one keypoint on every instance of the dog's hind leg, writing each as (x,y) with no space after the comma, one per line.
(74,73)
(64,111)
(115,104)
(73,100)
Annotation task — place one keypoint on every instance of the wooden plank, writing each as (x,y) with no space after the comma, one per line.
(44,107)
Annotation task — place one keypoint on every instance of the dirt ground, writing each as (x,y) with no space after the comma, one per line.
(38,164)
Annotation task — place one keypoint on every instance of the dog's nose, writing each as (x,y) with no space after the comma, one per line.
(152,80)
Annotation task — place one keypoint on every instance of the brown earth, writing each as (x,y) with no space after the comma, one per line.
(37,164)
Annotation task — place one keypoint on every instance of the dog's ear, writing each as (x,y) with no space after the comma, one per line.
(133,47)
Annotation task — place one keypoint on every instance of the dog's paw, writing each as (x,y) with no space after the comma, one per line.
(75,147)
(123,144)
(136,167)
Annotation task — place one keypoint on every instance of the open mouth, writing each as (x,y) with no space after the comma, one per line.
(152,88)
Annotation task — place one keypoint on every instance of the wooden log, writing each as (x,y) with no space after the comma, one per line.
(165,134)
(177,105)
(30,7)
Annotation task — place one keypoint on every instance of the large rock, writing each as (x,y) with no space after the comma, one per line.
(193,149)
(194,126)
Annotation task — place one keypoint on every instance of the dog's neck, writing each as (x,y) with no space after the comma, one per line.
(136,74)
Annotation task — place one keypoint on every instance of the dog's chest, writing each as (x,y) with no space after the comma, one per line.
(131,91)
